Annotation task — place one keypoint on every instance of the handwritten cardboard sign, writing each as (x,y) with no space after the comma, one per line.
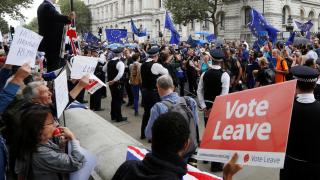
(61,92)
(83,65)
(253,123)
(24,47)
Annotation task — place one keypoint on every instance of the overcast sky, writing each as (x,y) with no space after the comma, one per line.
(28,13)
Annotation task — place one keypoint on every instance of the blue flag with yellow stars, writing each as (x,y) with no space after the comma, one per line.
(116,35)
(137,31)
(90,38)
(259,24)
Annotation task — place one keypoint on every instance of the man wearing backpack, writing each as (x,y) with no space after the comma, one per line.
(171,101)
(135,81)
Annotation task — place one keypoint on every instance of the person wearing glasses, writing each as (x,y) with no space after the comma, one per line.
(37,156)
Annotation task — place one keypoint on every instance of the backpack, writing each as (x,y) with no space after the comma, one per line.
(270,75)
(135,78)
(182,108)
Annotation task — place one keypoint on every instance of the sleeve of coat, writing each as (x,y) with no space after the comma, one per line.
(53,161)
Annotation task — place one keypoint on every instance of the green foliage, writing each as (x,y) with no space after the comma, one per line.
(83,19)
(4,27)
(33,25)
(13,7)
(186,11)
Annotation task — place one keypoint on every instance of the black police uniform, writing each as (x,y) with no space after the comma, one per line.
(116,88)
(302,156)
(95,98)
(150,94)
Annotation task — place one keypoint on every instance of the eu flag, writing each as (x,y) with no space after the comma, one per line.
(137,31)
(175,37)
(116,35)
(304,27)
(291,39)
(90,38)
(259,24)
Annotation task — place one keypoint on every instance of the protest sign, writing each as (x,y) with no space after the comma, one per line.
(95,84)
(24,47)
(253,123)
(83,65)
(61,92)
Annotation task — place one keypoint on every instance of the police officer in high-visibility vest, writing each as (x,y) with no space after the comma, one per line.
(150,71)
(114,72)
(214,82)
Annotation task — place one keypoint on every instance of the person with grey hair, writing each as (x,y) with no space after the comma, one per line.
(171,101)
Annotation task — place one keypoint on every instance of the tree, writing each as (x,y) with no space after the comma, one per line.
(186,11)
(33,25)
(4,27)
(13,7)
(83,20)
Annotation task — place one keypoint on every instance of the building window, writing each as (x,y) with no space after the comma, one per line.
(158,25)
(160,3)
(285,14)
(222,20)
(180,27)
(319,23)
(116,5)
(124,7)
(192,25)
(301,14)
(111,9)
(206,22)
(247,16)
(140,5)
(131,7)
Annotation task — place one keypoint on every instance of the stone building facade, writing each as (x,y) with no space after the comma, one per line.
(233,16)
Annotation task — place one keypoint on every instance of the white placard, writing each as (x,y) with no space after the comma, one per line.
(24,47)
(61,92)
(83,65)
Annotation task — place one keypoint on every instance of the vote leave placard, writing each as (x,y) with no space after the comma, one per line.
(253,123)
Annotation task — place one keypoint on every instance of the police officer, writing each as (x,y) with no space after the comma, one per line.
(95,98)
(114,72)
(302,156)
(150,71)
(214,82)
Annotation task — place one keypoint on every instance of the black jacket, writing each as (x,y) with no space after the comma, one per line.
(153,167)
(51,24)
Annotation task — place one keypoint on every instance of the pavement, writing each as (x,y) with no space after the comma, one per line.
(132,127)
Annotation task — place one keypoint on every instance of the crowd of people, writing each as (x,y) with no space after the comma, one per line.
(171,82)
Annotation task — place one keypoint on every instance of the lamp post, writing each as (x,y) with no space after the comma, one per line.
(263,7)
(289,26)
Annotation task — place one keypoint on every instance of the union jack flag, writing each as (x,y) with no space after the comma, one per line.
(136,153)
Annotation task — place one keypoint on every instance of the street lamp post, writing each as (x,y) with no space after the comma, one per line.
(263,7)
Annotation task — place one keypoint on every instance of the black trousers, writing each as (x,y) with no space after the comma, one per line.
(181,85)
(150,98)
(193,86)
(54,62)
(116,90)
(95,100)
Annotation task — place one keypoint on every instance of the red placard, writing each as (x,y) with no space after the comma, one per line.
(254,123)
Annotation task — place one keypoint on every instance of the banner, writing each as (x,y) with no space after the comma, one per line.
(253,123)
(61,92)
(136,153)
(24,47)
(83,65)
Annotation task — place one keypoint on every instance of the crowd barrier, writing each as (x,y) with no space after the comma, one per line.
(101,138)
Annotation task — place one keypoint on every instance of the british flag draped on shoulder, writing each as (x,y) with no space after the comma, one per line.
(136,153)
